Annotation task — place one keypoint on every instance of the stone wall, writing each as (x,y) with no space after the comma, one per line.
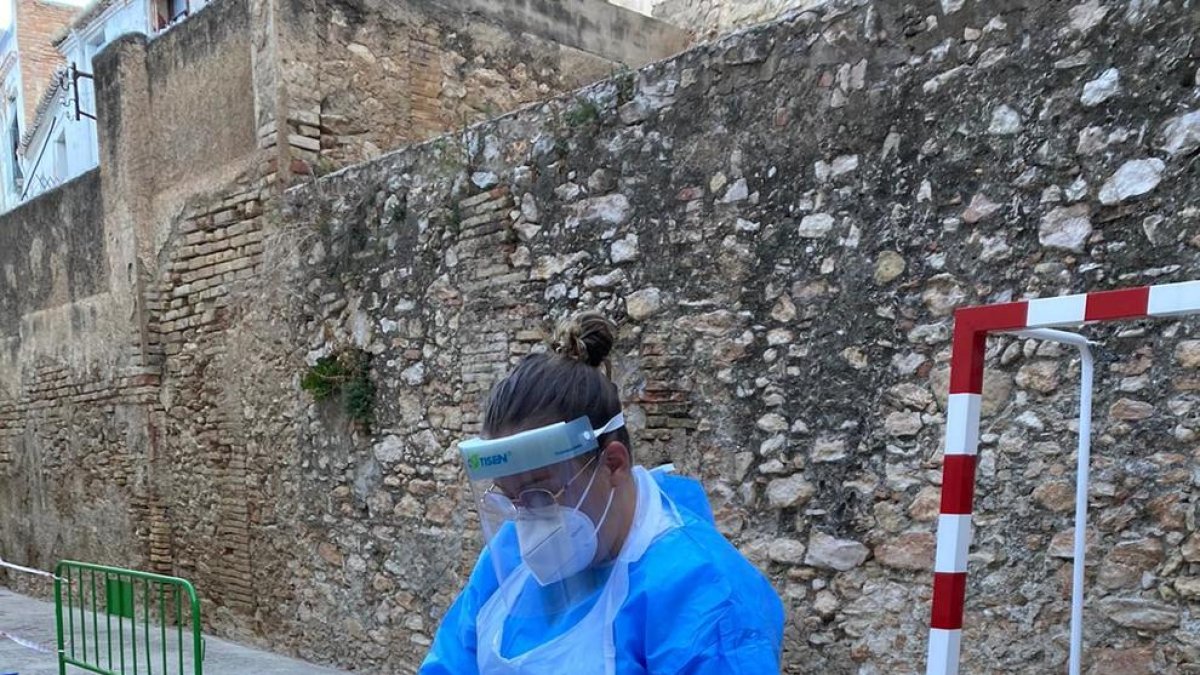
(160,142)
(123,290)
(74,450)
(53,249)
(782,223)
(349,79)
(217,251)
(708,18)
(84,463)
(602,28)
(199,118)
(367,76)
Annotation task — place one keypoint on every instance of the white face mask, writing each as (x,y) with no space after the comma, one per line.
(563,544)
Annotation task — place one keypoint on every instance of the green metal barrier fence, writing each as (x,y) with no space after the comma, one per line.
(98,610)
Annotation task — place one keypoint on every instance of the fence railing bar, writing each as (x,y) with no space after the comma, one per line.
(162,624)
(82,615)
(146,625)
(95,620)
(120,598)
(70,611)
(84,665)
(179,625)
(108,618)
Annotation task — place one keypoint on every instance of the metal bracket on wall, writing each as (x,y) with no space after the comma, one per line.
(76,73)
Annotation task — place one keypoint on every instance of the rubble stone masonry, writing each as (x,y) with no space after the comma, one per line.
(782,223)
(123,289)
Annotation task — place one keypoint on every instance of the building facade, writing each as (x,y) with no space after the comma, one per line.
(28,64)
(60,143)
(54,138)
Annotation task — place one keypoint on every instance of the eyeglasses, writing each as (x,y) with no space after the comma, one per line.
(532,499)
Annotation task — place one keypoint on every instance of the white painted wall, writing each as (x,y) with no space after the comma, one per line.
(641,6)
(11,107)
(708,18)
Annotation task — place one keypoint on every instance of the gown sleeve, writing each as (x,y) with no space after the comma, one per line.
(725,643)
(732,646)
(714,621)
(707,610)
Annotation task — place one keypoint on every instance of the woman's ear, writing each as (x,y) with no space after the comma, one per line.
(618,460)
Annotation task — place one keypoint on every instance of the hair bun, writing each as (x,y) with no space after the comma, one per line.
(586,337)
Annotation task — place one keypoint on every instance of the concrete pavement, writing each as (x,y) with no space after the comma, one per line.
(27,644)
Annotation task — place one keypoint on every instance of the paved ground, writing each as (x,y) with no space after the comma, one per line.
(27,637)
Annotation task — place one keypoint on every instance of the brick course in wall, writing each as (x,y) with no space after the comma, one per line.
(219,246)
(781,222)
(138,271)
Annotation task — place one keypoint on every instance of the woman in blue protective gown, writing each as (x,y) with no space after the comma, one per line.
(593,565)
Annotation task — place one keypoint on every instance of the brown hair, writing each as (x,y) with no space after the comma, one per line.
(562,385)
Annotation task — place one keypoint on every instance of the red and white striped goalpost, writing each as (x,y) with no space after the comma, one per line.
(971,328)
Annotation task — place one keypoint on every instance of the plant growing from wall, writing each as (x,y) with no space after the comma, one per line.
(557,125)
(454,218)
(452,150)
(344,374)
(325,165)
(583,112)
(626,81)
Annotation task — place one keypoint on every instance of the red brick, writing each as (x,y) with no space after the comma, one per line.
(37,23)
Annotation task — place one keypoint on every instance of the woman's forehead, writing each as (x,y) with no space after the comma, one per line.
(541,475)
(555,475)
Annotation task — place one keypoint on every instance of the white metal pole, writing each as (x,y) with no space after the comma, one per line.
(1083,460)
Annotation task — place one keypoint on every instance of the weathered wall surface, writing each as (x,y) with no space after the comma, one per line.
(83,458)
(368,76)
(782,222)
(53,251)
(200,114)
(73,428)
(707,18)
(120,441)
(602,28)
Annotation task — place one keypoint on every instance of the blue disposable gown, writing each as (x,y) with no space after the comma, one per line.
(695,607)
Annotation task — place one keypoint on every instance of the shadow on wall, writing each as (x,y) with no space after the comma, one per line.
(52,251)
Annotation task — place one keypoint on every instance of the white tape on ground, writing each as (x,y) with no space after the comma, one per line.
(28,644)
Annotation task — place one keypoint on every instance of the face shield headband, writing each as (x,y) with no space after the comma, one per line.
(489,459)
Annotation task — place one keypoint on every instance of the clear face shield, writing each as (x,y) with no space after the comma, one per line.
(541,510)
